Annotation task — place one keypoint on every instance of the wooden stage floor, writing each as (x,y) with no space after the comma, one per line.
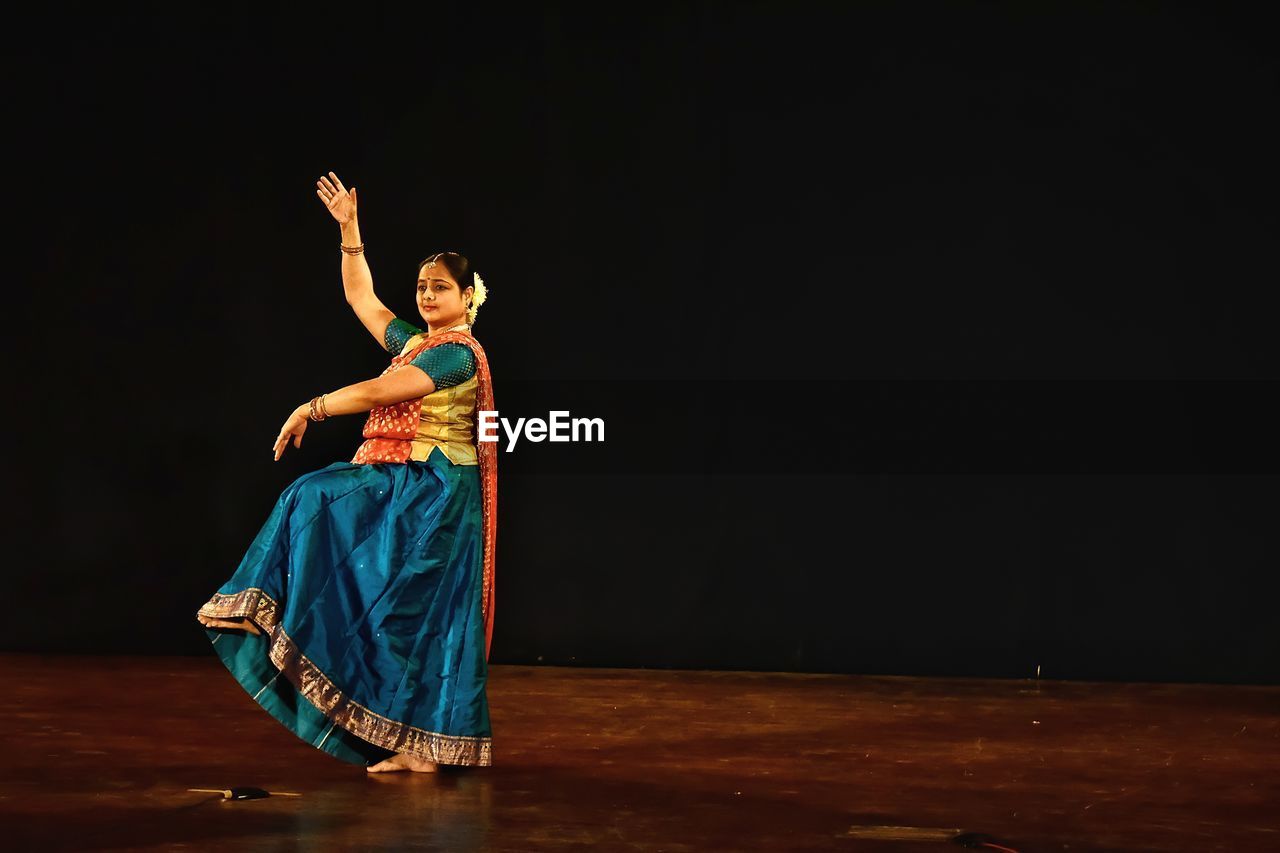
(98,754)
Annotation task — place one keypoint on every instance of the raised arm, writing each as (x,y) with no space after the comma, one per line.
(357,280)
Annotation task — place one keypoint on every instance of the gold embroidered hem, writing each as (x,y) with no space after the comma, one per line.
(316,688)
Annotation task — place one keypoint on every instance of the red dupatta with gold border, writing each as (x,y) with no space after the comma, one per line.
(389,433)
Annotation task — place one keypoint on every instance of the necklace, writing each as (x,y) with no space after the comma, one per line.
(450,329)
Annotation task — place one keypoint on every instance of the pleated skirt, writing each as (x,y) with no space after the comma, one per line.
(366,581)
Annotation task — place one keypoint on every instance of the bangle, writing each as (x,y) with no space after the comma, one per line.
(351,250)
(322,406)
(313,414)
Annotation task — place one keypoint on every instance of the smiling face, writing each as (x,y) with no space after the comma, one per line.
(440,302)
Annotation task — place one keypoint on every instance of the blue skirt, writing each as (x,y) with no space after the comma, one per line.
(366,582)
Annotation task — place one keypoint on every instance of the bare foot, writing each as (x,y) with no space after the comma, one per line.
(404,761)
(242,624)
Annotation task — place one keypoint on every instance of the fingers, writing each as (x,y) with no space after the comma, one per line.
(341,188)
(282,441)
(327,187)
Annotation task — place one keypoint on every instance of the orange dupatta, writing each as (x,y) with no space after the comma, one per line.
(389,433)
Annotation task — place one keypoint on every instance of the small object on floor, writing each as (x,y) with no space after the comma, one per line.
(244,792)
(981,840)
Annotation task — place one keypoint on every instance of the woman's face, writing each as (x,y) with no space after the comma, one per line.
(440,302)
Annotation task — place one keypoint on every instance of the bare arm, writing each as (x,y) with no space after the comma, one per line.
(357,279)
(408,383)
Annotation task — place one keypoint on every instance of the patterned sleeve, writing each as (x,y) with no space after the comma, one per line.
(397,335)
(447,364)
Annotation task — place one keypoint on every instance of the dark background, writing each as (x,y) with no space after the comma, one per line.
(929,338)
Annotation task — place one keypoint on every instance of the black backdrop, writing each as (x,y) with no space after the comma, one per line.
(929,338)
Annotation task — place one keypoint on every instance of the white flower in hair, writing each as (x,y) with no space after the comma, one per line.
(477,297)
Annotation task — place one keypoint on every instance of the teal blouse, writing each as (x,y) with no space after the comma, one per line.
(447,364)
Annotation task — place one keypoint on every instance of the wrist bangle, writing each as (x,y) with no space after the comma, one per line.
(313,413)
(323,410)
(351,250)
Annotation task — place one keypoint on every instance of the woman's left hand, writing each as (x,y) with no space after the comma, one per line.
(295,426)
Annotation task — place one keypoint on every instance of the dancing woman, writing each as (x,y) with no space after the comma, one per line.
(362,614)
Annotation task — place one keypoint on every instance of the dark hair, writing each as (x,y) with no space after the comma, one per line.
(457,265)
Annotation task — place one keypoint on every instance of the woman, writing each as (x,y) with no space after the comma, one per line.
(370,587)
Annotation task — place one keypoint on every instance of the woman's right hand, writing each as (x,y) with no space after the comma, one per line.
(341,204)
